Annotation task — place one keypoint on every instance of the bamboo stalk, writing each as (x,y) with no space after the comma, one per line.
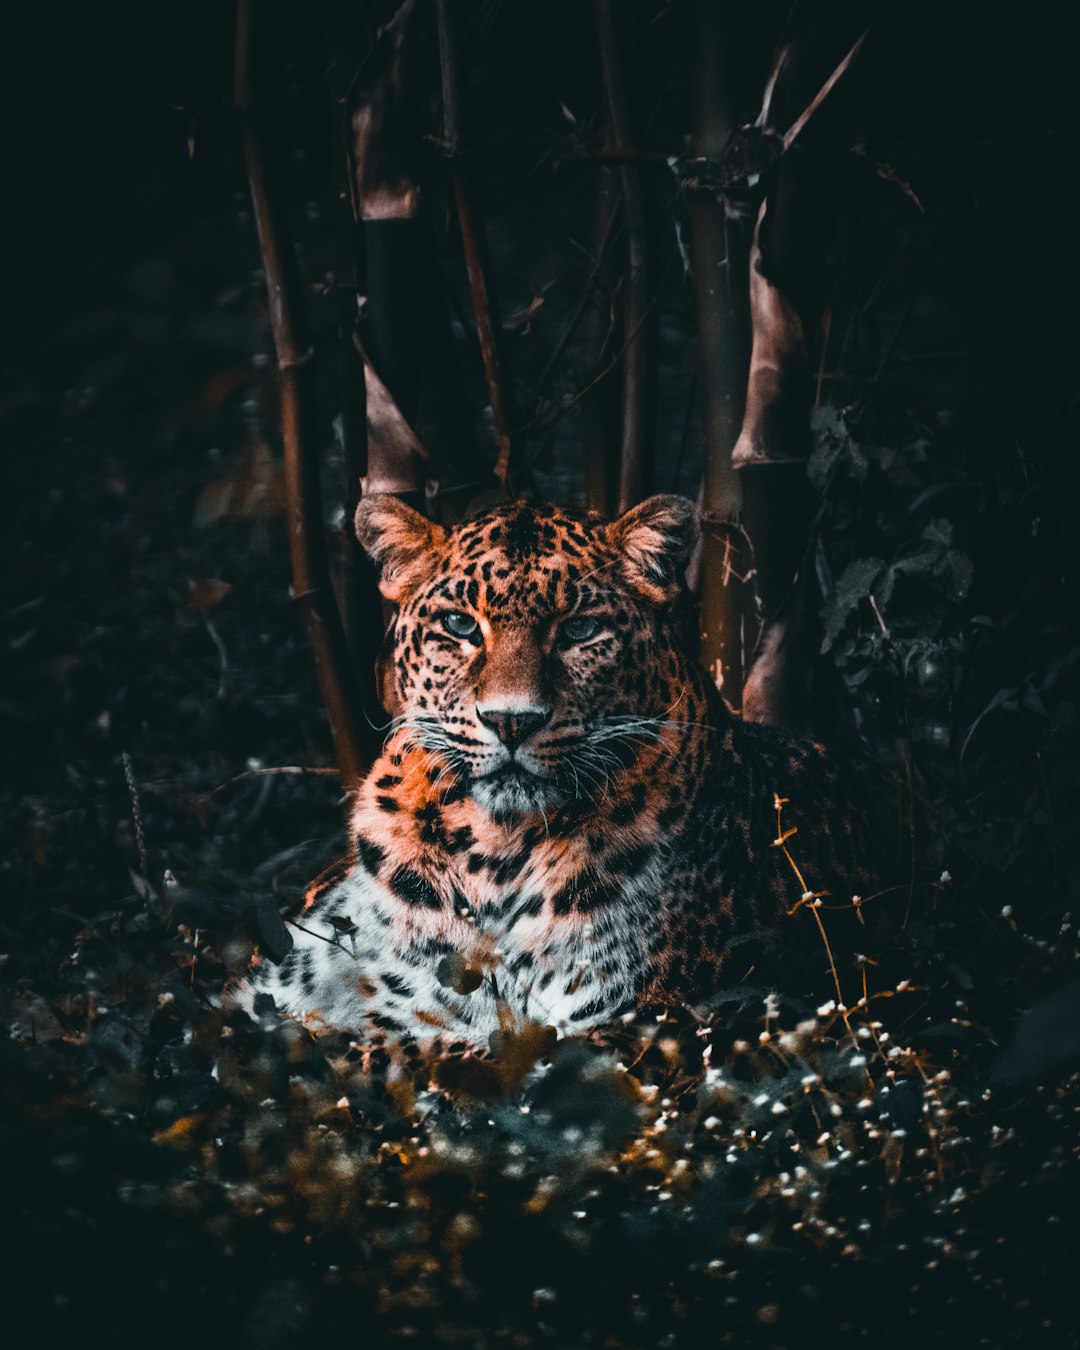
(599,417)
(771,459)
(634,441)
(719,256)
(775,438)
(404,325)
(352,571)
(485,312)
(311,586)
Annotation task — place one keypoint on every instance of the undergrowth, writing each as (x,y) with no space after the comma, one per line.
(728,1173)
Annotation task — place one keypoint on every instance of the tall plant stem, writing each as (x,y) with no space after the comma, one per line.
(311,586)
(599,412)
(485,313)
(634,442)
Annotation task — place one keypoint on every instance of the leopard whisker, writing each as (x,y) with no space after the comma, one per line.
(600,785)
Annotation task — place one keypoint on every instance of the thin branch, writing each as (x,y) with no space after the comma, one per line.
(792,133)
(290,770)
(544,420)
(295,357)
(605,228)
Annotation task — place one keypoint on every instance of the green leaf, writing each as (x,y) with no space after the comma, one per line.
(855,584)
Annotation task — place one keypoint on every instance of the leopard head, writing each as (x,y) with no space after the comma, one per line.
(532,650)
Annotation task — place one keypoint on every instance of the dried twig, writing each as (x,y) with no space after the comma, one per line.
(274,770)
(811,900)
(822,94)
(605,229)
(543,420)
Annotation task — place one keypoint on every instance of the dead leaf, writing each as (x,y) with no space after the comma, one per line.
(206,593)
(178,1134)
(255,490)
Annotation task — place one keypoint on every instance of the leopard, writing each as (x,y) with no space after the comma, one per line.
(566,824)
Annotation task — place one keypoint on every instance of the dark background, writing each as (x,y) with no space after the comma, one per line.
(152,661)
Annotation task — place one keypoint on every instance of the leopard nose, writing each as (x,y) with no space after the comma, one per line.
(513,725)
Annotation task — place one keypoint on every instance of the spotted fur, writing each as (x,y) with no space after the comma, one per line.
(565,821)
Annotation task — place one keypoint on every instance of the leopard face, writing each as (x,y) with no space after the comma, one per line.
(532,651)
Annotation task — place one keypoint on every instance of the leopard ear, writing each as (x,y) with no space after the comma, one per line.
(398,540)
(655,540)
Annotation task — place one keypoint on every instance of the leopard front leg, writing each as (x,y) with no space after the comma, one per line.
(359,964)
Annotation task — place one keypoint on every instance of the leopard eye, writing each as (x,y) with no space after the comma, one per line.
(580,628)
(461,625)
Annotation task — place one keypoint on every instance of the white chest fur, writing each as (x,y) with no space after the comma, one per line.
(490,956)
